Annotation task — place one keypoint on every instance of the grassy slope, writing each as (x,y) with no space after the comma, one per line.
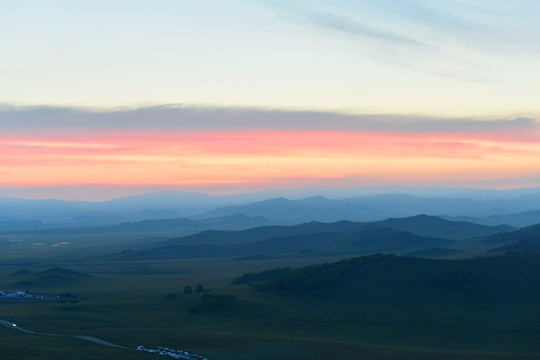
(491,303)
(379,313)
(391,310)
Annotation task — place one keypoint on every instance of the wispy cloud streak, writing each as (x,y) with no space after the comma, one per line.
(434,37)
(55,144)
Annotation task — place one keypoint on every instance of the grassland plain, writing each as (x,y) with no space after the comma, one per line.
(384,312)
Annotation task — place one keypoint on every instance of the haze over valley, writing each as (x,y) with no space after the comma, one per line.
(385,263)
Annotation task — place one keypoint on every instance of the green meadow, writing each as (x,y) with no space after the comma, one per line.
(398,307)
(310,291)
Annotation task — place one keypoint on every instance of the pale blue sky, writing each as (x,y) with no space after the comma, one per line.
(445,58)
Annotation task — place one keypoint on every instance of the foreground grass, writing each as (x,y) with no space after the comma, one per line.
(126,303)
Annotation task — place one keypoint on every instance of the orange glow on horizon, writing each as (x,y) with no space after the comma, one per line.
(261,157)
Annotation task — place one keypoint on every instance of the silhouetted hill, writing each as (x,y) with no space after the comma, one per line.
(434,226)
(281,209)
(421,225)
(513,236)
(438,253)
(372,208)
(340,237)
(36,210)
(163,200)
(526,239)
(51,278)
(265,232)
(22,272)
(64,272)
(391,240)
(507,222)
(364,241)
(170,204)
(520,219)
(392,235)
(405,300)
(529,244)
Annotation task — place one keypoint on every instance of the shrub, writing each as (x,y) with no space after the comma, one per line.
(214,302)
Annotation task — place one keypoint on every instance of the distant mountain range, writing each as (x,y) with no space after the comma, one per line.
(517,208)
(520,219)
(377,207)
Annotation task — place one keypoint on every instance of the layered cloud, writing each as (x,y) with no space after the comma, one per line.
(187,147)
(25,120)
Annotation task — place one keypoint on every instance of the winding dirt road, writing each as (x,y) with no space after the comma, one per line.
(95,340)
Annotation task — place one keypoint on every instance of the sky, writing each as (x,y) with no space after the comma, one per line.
(239,96)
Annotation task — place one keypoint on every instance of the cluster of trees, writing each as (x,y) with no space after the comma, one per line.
(188,289)
(251,277)
(317,277)
(213,302)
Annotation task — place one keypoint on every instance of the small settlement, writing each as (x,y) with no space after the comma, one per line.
(19,295)
(175,354)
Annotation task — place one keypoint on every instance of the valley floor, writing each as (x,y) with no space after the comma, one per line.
(136,303)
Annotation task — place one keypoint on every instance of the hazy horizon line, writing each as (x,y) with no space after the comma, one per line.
(99,193)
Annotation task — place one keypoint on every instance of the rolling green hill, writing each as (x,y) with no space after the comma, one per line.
(526,244)
(44,280)
(265,232)
(434,226)
(370,238)
(437,253)
(514,236)
(484,303)
(392,235)
(422,225)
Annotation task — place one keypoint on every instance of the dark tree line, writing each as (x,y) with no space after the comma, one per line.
(188,289)
(251,277)
(308,279)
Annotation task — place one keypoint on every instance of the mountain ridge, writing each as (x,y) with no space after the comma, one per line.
(520,210)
